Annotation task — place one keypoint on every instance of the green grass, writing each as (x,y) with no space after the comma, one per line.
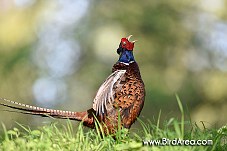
(64,137)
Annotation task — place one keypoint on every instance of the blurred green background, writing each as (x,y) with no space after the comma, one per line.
(56,54)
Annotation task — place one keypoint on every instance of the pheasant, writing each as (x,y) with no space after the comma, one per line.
(121,95)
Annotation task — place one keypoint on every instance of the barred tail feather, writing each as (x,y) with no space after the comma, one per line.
(34,110)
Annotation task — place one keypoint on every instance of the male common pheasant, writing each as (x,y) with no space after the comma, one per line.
(121,95)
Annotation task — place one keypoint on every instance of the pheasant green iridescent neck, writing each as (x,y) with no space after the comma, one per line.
(126,57)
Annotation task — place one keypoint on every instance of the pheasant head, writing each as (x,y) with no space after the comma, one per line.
(125,50)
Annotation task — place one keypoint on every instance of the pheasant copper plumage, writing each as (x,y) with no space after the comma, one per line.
(121,95)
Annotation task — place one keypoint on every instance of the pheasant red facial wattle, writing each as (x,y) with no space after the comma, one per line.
(122,93)
(125,43)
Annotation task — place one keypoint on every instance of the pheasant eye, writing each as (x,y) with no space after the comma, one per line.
(124,43)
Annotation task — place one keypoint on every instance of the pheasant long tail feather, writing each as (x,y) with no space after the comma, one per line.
(28,109)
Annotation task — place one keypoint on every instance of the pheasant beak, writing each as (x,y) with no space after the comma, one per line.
(128,38)
(134,41)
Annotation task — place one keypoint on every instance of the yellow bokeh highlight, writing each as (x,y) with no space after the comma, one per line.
(15,30)
(215,86)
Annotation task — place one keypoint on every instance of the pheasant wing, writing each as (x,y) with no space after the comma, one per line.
(106,92)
